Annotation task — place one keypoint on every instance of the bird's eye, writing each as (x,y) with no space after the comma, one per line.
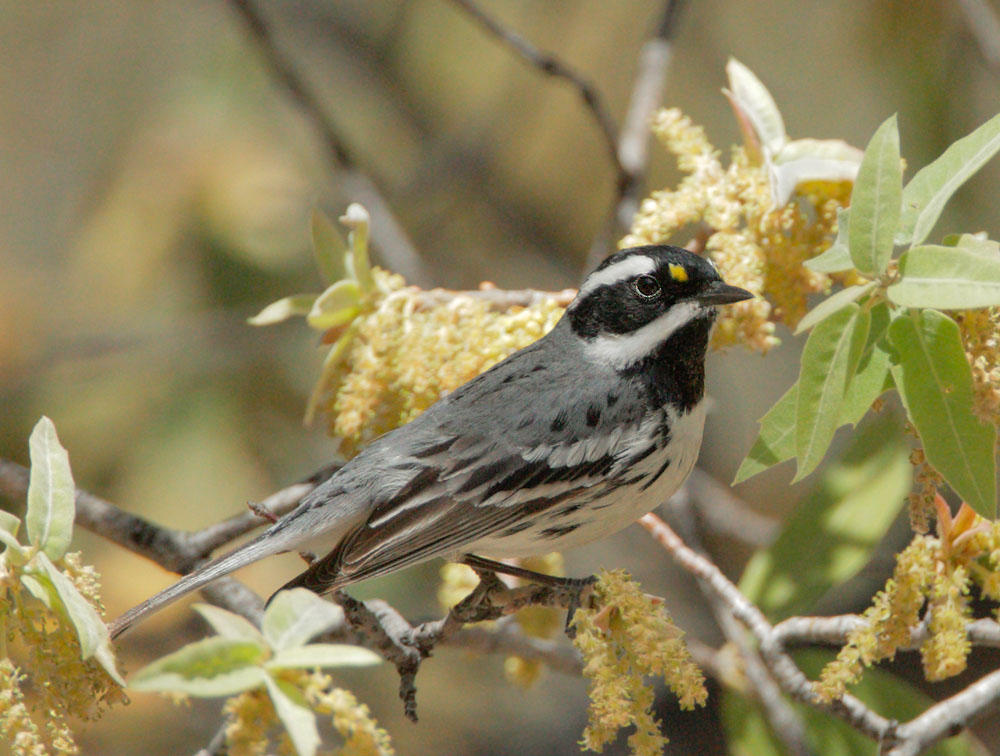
(646,287)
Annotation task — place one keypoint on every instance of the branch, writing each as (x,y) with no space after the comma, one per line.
(548,63)
(782,668)
(388,233)
(785,722)
(633,144)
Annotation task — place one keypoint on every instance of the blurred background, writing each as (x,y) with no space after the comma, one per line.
(156,182)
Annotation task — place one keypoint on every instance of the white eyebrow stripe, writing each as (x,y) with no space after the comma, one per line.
(621,350)
(630,267)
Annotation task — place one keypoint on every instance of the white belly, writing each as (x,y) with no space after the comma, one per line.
(607,509)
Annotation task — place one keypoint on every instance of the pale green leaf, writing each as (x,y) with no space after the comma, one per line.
(329,248)
(323,655)
(295,714)
(832,304)
(14,552)
(51,495)
(978,243)
(90,628)
(230,625)
(41,588)
(930,189)
(297,615)
(947,278)
(872,377)
(829,358)
(786,176)
(754,104)
(875,201)
(842,520)
(335,306)
(9,523)
(776,441)
(838,257)
(832,150)
(935,382)
(297,304)
(358,266)
(207,668)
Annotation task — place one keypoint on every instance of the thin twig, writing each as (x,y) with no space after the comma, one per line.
(633,144)
(783,669)
(548,63)
(388,234)
(785,722)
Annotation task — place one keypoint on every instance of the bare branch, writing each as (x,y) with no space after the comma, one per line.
(633,144)
(782,667)
(785,722)
(389,235)
(499,299)
(948,717)
(549,64)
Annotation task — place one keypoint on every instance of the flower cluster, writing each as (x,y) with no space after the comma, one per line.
(938,572)
(980,331)
(44,683)
(254,728)
(623,638)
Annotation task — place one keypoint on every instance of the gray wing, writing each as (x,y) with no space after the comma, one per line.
(498,451)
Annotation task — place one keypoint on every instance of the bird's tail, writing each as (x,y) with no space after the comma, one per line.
(272,541)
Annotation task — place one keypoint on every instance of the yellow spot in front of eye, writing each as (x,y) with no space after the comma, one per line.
(678,273)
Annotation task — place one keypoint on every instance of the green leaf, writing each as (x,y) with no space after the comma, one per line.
(929,191)
(329,248)
(297,615)
(335,306)
(776,441)
(207,668)
(230,625)
(358,267)
(9,523)
(947,278)
(974,243)
(323,655)
(872,377)
(41,588)
(842,520)
(838,257)
(295,715)
(875,201)
(14,552)
(829,359)
(283,309)
(832,304)
(935,382)
(90,628)
(51,495)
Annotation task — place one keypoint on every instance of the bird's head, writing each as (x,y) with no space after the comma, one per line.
(638,298)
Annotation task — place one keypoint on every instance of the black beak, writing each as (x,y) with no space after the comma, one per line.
(721,293)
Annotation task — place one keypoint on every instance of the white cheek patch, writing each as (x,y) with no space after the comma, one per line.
(621,350)
(628,268)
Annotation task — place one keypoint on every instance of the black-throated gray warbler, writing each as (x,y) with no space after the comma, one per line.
(566,441)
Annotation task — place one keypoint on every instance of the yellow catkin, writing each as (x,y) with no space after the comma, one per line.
(623,638)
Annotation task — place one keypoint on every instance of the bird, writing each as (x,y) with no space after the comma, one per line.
(564,442)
